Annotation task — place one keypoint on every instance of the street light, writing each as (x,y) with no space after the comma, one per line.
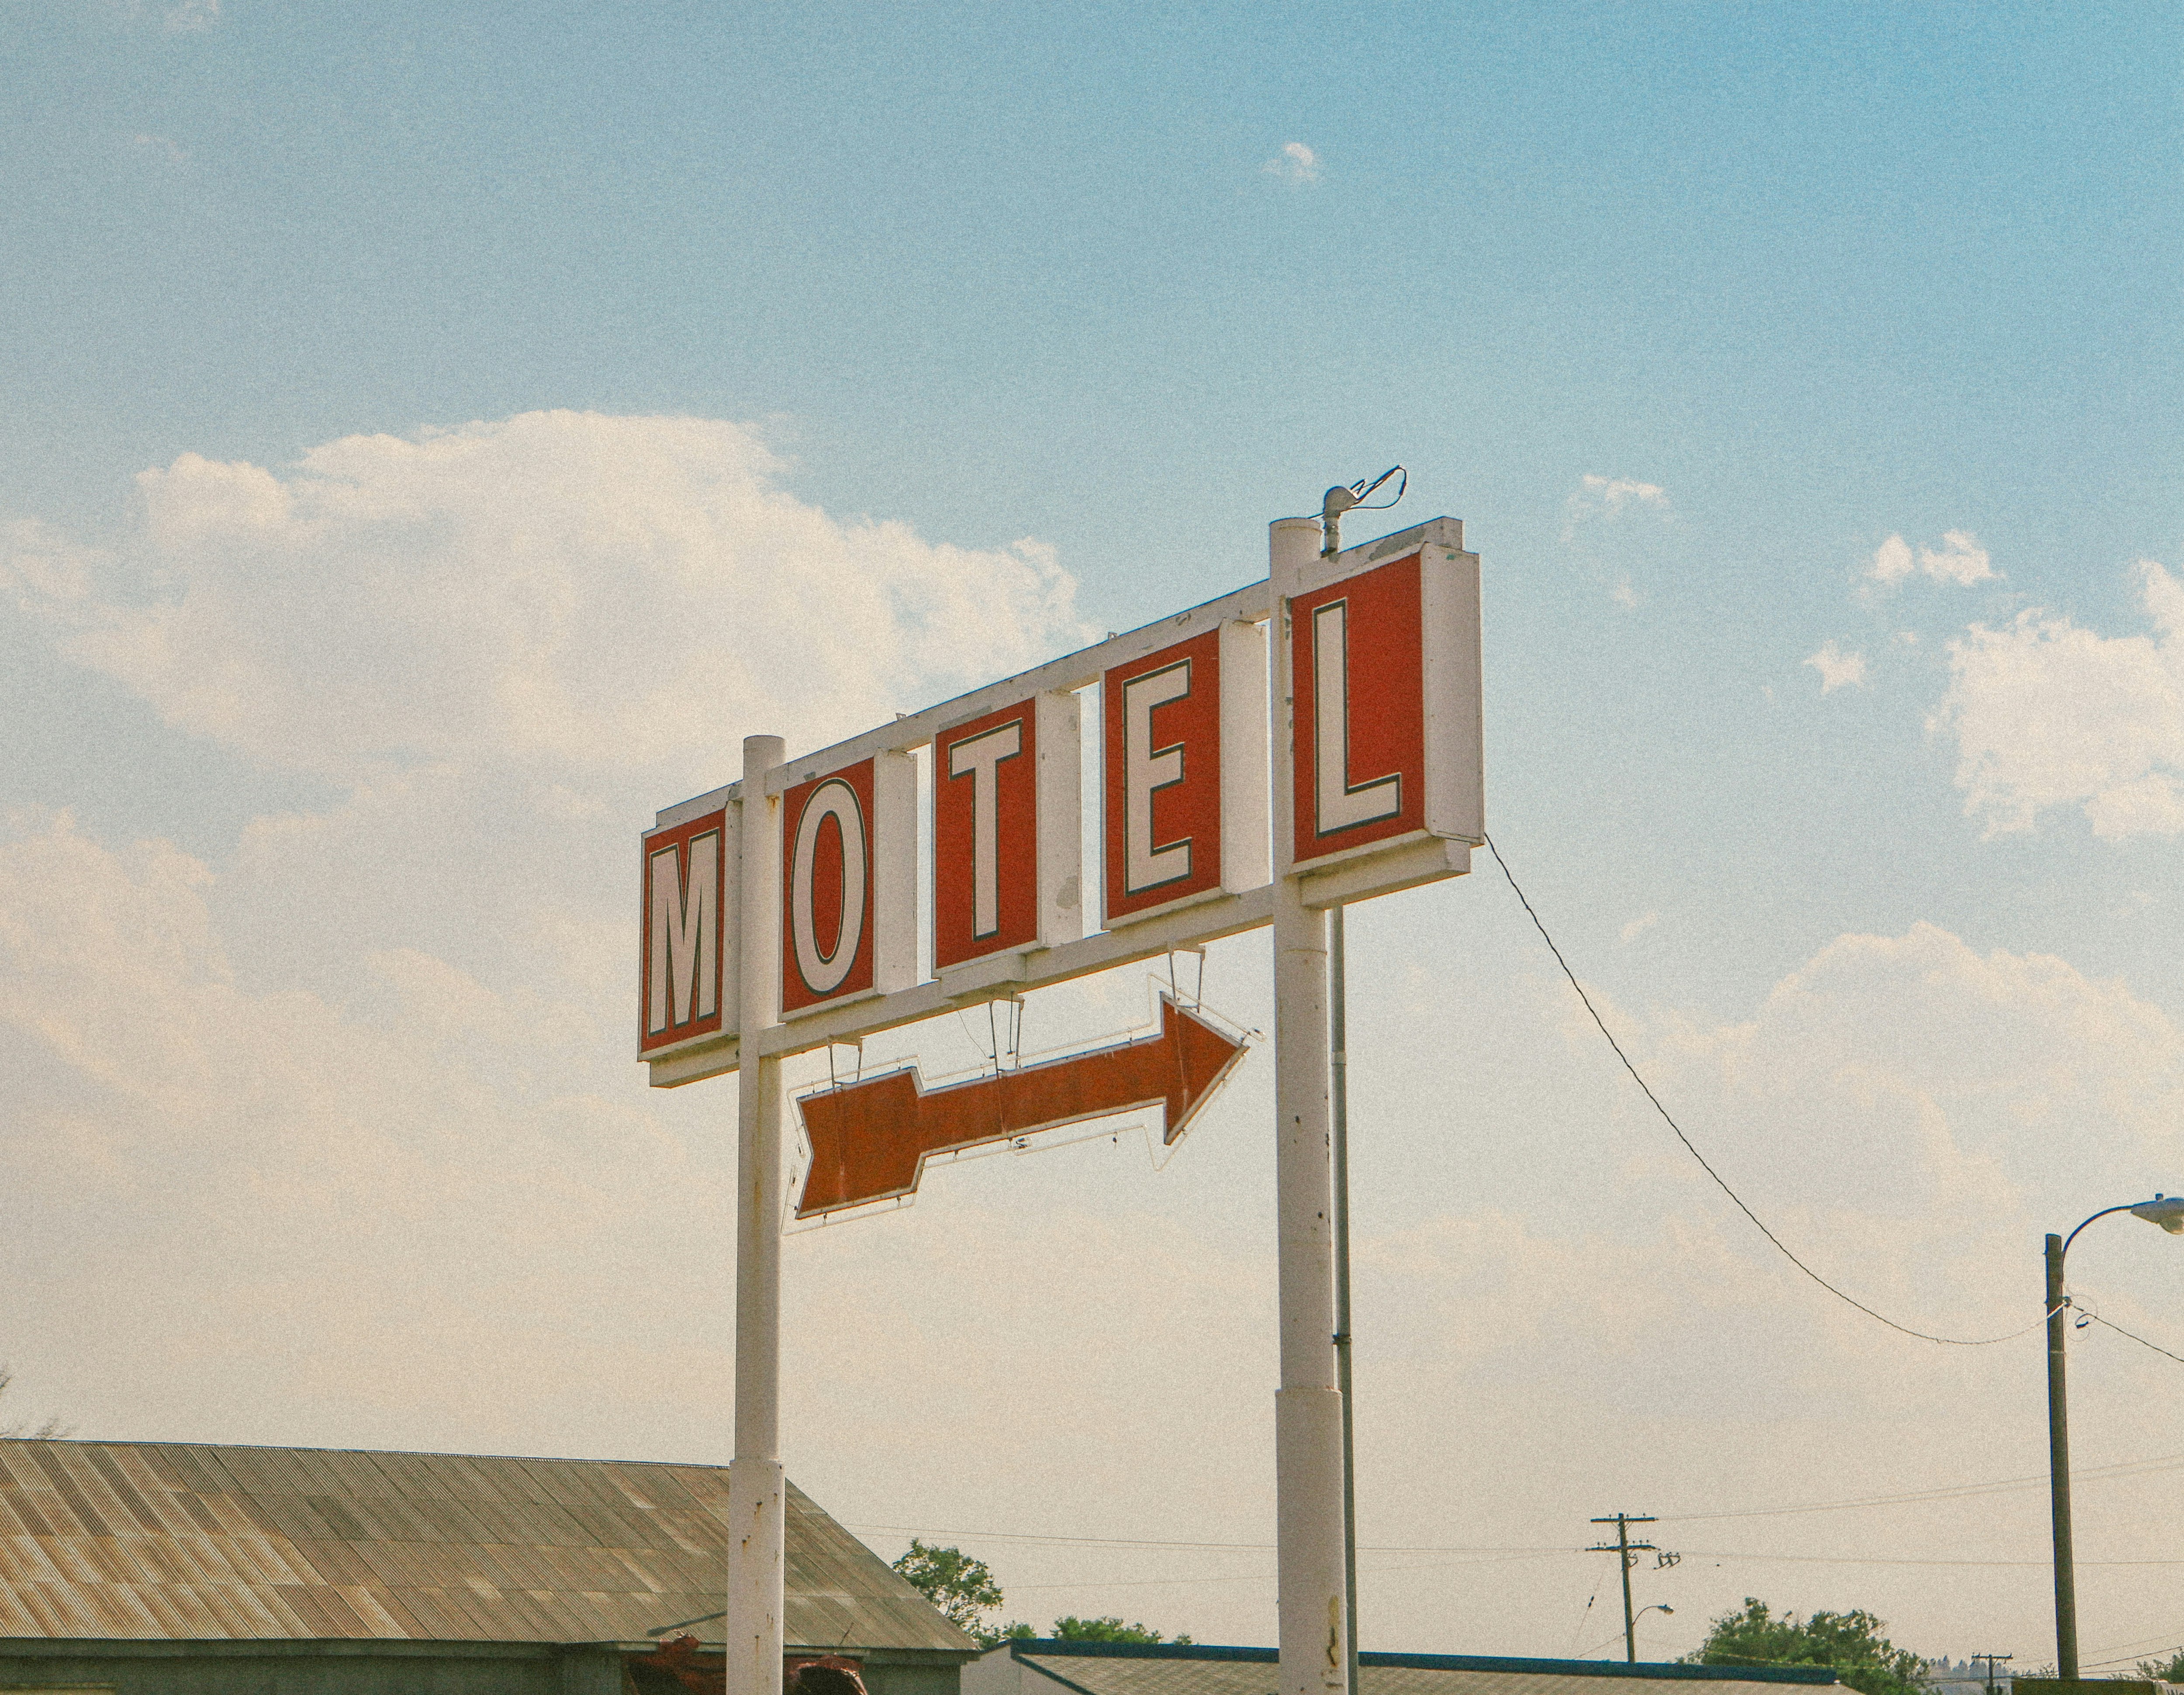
(1660,1606)
(2168,1211)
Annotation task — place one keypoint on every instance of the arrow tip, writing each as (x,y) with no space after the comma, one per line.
(1204,1053)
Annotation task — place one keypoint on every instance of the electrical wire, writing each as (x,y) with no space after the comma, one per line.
(2141,1651)
(1269,1577)
(1497,1555)
(2113,1470)
(1578,1627)
(1960,1491)
(2141,1341)
(1669,1119)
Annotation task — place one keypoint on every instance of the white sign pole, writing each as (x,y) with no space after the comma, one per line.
(756,1503)
(1314,1625)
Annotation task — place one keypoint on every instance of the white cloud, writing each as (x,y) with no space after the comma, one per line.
(1838,669)
(1611,494)
(557,586)
(2047,714)
(1594,509)
(1638,926)
(1891,561)
(1962,561)
(1297,163)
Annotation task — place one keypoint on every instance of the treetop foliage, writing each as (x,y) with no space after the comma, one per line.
(964,1590)
(1852,1643)
(961,1587)
(1109,1630)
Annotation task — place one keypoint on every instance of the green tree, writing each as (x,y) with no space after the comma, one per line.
(959,1585)
(1852,1643)
(1110,1629)
(2169,1670)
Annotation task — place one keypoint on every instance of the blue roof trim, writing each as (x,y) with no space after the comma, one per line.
(1438,1662)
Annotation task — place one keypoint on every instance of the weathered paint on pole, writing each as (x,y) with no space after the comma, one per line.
(1309,1519)
(756,1503)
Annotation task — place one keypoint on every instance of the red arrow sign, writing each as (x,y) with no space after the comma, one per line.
(870,1139)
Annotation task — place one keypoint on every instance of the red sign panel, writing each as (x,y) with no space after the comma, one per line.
(1162,749)
(1357,665)
(985,835)
(870,1139)
(828,919)
(685,930)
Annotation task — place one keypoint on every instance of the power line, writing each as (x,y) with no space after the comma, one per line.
(1269,1577)
(2113,1470)
(2141,1341)
(2142,1653)
(1667,1118)
(2132,1659)
(2127,1467)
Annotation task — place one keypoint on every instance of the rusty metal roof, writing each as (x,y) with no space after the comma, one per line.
(162,1540)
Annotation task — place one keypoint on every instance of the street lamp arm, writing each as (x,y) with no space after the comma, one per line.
(2102,1213)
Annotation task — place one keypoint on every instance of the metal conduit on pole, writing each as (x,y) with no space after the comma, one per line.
(1339,1070)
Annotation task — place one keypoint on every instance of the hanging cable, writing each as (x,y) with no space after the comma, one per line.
(1719,1182)
(2141,1341)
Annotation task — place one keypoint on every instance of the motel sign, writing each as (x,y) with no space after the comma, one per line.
(1310,740)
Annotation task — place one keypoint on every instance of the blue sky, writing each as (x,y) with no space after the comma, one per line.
(1770,356)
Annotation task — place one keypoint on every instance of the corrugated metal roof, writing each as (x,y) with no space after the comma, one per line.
(1174,1668)
(162,1540)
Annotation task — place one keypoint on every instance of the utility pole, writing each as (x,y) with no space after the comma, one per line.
(1623,1547)
(2059,1465)
(1990,1658)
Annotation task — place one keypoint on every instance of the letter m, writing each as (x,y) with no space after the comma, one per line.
(683,943)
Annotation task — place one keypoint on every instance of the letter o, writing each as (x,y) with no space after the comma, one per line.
(823,968)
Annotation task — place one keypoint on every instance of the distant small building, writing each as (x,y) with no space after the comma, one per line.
(1044,1667)
(173,1568)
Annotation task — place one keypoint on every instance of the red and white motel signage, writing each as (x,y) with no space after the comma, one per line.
(1384,663)
(690,866)
(848,874)
(1371,724)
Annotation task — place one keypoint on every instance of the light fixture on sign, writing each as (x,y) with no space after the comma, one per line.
(1351,498)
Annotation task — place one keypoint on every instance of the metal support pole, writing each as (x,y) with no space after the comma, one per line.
(756,1506)
(1338,1068)
(1622,1560)
(2059,1470)
(1308,1511)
